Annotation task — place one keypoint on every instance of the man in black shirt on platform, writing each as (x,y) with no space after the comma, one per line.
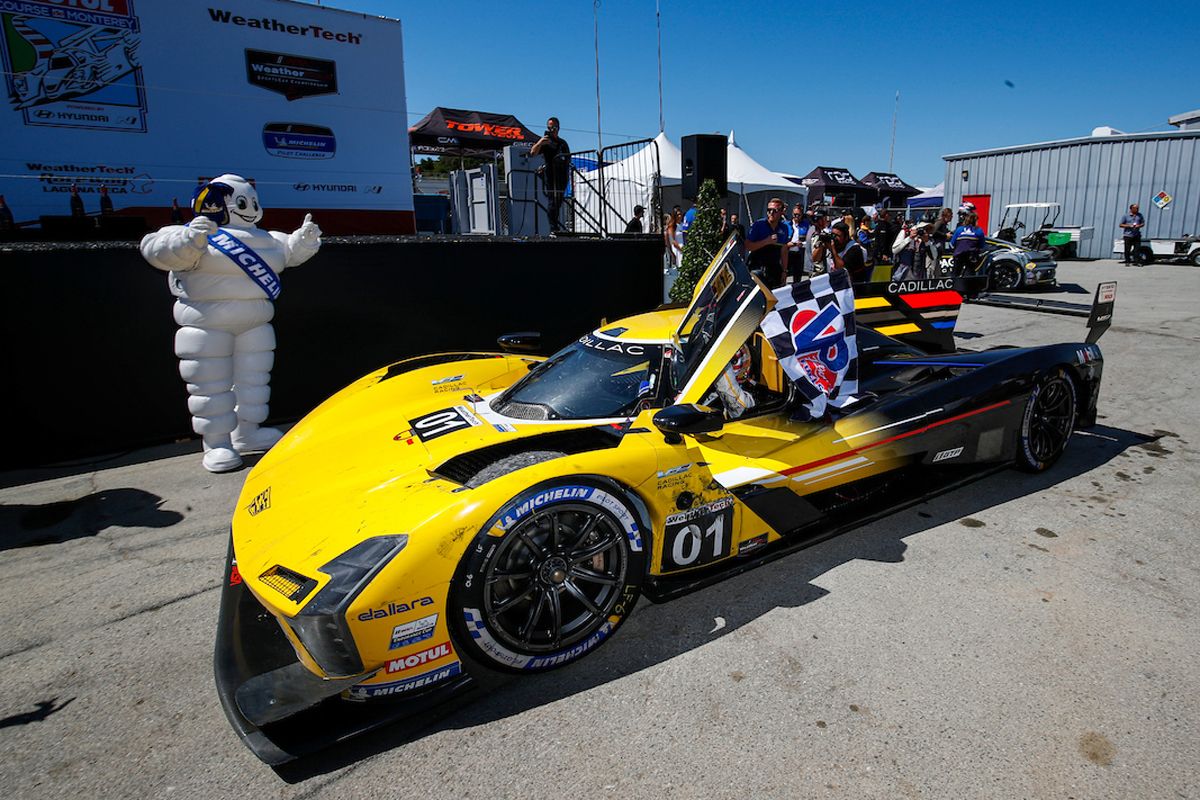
(635,225)
(557,156)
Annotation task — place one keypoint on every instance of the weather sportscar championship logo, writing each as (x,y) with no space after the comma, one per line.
(820,341)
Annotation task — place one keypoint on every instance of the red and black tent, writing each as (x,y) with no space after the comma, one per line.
(840,185)
(458,132)
(893,191)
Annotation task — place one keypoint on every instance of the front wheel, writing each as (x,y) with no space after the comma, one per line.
(1047,424)
(550,577)
(1005,276)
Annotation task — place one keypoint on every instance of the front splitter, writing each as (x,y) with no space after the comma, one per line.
(251,648)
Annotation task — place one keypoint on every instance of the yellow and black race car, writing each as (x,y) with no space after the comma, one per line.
(456,516)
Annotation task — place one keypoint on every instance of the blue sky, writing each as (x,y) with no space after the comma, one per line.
(807,84)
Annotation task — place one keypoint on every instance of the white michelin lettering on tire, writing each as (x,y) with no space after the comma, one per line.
(618,509)
(490,645)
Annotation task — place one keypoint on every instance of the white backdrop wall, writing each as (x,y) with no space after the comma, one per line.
(146,97)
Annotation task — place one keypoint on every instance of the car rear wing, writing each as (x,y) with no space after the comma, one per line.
(1099,312)
(1100,317)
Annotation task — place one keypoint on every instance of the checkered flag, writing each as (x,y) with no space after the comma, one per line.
(812,332)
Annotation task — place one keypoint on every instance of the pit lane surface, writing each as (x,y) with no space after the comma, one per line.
(1027,636)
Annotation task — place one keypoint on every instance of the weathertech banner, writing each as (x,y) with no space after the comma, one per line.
(137,100)
(812,332)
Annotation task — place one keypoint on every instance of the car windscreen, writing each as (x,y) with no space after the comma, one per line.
(593,378)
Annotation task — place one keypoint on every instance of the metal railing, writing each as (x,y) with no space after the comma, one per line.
(603,198)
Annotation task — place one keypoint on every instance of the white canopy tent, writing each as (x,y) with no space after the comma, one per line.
(627,183)
(755,185)
(631,181)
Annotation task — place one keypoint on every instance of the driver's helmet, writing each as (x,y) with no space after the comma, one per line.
(741,364)
(966,207)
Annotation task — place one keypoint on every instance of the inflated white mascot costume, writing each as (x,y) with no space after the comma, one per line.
(224,277)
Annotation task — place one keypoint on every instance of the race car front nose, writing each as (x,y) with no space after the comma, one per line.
(321,625)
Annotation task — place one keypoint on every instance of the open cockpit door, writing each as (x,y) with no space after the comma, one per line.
(726,308)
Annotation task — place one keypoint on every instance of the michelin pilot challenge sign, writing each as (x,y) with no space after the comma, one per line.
(148,97)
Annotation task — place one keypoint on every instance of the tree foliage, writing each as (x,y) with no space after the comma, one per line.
(703,239)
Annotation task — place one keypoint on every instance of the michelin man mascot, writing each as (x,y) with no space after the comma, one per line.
(224,275)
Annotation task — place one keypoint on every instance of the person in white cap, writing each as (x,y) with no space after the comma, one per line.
(224,276)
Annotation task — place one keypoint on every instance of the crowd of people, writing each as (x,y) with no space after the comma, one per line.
(818,240)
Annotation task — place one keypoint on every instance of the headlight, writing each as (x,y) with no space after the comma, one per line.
(321,625)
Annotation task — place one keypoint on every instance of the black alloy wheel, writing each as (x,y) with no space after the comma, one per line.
(554,586)
(1048,423)
(1005,276)
(1195,258)
(555,578)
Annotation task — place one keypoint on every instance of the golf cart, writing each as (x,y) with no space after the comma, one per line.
(1061,241)
(1186,248)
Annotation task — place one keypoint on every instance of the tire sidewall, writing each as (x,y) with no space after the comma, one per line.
(1025,458)
(464,610)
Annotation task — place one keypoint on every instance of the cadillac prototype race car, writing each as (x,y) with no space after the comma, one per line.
(454,517)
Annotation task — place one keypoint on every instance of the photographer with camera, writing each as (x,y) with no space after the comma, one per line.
(820,222)
(845,252)
(556,169)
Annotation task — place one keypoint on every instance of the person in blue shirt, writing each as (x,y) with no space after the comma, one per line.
(1131,231)
(688,219)
(967,242)
(766,245)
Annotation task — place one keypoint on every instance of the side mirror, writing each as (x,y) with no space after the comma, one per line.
(523,342)
(689,419)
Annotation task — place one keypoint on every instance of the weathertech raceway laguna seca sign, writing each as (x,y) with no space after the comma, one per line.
(147,98)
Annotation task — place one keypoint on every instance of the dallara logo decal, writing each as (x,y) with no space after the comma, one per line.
(260,503)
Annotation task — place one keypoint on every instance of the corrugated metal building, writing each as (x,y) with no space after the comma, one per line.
(1094,179)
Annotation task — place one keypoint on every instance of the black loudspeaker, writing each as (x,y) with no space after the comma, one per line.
(704,158)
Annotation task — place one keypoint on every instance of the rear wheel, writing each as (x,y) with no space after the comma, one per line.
(1047,424)
(1056,252)
(562,574)
(1145,255)
(1194,258)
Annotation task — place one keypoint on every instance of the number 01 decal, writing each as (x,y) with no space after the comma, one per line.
(439,423)
(698,536)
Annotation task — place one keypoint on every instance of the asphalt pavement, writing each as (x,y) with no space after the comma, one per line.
(1025,636)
